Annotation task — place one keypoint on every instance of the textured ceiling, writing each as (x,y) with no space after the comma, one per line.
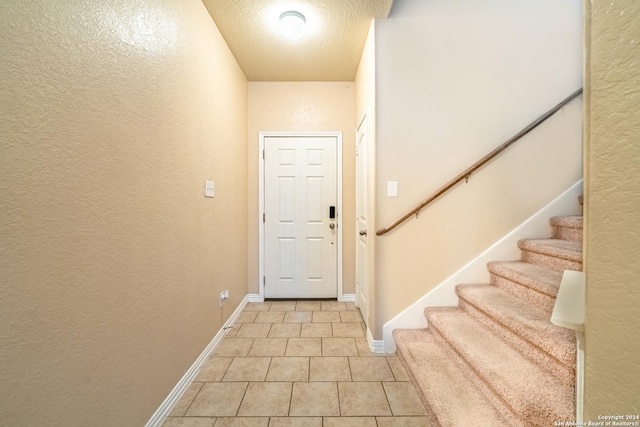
(337,30)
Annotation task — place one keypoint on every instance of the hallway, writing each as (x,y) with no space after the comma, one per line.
(299,363)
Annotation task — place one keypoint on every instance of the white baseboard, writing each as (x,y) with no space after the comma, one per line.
(255,298)
(443,295)
(376,346)
(165,408)
(347,298)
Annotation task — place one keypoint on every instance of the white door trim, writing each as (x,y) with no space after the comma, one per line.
(359,279)
(263,135)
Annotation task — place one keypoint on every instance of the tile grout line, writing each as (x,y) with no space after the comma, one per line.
(227,369)
(241,400)
(266,374)
(386,397)
(194,399)
(339,401)
(290,399)
(268,332)
(286,347)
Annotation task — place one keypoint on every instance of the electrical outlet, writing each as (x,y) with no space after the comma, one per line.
(224,295)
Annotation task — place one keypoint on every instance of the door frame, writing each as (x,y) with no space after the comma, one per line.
(362,122)
(261,169)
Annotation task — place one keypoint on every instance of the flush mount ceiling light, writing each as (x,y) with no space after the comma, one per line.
(292,25)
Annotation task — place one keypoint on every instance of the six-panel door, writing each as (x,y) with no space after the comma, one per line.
(300,237)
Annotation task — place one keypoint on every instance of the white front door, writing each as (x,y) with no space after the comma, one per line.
(362,254)
(300,235)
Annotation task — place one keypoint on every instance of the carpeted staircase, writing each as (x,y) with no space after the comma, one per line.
(496,359)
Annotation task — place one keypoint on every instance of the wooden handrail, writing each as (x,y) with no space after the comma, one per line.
(465,175)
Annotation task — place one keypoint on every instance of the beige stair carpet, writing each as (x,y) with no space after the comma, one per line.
(496,359)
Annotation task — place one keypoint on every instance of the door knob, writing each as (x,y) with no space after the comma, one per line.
(363,232)
(332,226)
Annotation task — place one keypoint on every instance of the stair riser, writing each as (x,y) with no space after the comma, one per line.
(474,377)
(521,291)
(497,358)
(408,366)
(533,415)
(565,233)
(526,348)
(443,401)
(554,263)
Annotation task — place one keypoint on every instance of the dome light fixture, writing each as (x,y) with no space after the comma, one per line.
(292,25)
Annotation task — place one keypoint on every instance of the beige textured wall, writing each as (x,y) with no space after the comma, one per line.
(454,79)
(365,96)
(113,115)
(303,106)
(612,208)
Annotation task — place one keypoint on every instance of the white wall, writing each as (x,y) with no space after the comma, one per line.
(454,79)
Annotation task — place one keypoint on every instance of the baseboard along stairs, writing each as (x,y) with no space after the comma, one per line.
(496,359)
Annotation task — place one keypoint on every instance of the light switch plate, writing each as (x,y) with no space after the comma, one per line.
(392,188)
(209,189)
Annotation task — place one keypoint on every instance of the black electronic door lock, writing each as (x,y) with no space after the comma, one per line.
(332,212)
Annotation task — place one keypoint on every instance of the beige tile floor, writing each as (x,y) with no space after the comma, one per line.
(299,364)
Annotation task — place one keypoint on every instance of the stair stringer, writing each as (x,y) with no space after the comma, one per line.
(475,271)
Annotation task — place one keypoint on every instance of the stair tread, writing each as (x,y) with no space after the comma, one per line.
(558,248)
(534,394)
(526,320)
(446,388)
(542,279)
(568,221)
